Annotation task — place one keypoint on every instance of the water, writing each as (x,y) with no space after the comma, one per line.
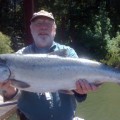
(104,104)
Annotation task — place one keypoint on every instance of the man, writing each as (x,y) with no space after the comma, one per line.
(47,106)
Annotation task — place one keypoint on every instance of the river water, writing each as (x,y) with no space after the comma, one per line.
(103,104)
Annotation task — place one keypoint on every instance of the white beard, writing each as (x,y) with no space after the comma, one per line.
(42,40)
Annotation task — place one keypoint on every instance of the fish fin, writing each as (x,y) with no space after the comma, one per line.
(62,53)
(98,83)
(19,84)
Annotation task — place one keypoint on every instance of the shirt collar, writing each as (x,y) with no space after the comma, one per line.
(44,50)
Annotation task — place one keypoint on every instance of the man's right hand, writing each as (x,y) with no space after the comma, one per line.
(8,90)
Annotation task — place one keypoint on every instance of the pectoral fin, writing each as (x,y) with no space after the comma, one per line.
(62,53)
(19,84)
(97,83)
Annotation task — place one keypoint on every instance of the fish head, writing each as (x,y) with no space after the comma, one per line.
(4,70)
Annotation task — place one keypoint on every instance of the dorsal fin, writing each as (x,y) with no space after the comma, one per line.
(62,53)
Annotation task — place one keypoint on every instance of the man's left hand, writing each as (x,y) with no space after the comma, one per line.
(83,87)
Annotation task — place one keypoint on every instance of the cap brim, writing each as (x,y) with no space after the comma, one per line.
(38,16)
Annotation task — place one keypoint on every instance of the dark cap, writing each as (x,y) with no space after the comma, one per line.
(42,13)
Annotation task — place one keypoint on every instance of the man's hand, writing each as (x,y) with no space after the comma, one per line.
(83,87)
(8,90)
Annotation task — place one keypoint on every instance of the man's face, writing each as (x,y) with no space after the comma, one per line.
(43,31)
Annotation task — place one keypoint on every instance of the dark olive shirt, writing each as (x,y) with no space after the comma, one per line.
(48,106)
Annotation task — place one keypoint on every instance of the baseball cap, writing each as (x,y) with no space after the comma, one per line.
(42,13)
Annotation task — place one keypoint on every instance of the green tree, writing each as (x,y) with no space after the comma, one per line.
(5,44)
(93,36)
(113,48)
(11,21)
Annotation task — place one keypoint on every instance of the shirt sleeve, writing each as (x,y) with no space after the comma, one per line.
(20,51)
(72,53)
(80,97)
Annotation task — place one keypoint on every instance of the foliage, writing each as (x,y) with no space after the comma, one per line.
(113,48)
(5,44)
(11,15)
(93,36)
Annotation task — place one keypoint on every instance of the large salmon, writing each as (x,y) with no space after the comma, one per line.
(43,72)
